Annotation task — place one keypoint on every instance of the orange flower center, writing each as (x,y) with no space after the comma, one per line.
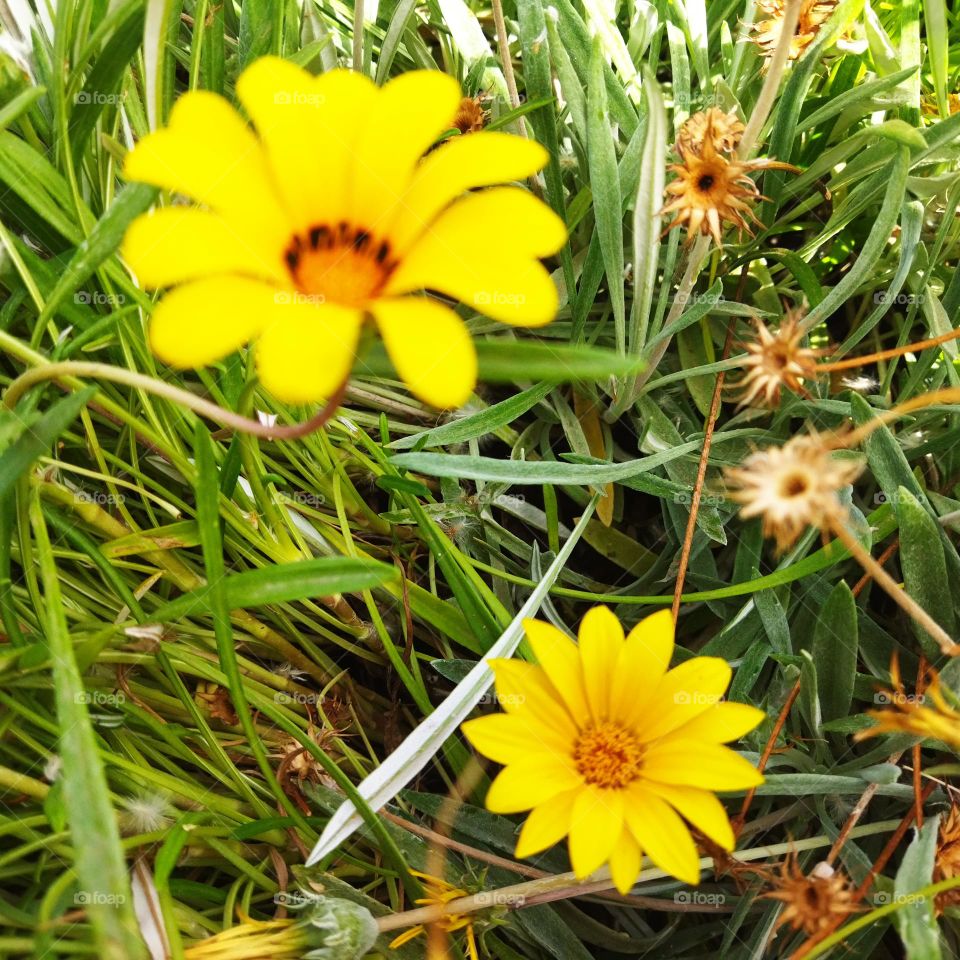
(608,755)
(341,264)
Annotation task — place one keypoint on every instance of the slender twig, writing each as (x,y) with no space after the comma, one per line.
(503,43)
(893,589)
(765,756)
(701,477)
(184,398)
(851,363)
(518,895)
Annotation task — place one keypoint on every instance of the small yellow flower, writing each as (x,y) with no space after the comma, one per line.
(440,893)
(607,747)
(332,210)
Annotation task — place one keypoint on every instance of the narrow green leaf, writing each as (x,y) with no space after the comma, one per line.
(835,649)
(916,920)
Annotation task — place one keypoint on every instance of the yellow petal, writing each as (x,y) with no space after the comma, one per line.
(601,640)
(306,353)
(202,322)
(644,659)
(461,163)
(208,153)
(699,807)
(404,119)
(664,837)
(310,127)
(625,860)
(174,244)
(430,347)
(595,826)
(560,659)
(532,781)
(509,737)
(684,693)
(693,763)
(723,723)
(547,824)
(525,687)
(509,289)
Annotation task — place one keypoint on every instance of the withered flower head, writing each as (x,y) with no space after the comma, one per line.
(926,714)
(946,864)
(812,903)
(471,115)
(722,129)
(792,487)
(710,189)
(777,359)
(766,31)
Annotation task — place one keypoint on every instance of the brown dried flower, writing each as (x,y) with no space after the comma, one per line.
(710,189)
(766,31)
(471,116)
(792,487)
(777,359)
(812,903)
(947,862)
(722,129)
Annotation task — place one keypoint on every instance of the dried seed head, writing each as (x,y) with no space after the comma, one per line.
(777,359)
(792,487)
(722,129)
(947,861)
(471,115)
(767,29)
(710,190)
(815,902)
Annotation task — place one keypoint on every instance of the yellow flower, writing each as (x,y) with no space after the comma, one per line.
(608,747)
(440,893)
(331,211)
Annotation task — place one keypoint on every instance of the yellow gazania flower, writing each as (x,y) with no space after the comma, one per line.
(608,747)
(331,211)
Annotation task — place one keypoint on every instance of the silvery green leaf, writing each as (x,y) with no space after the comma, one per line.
(422,744)
(336,929)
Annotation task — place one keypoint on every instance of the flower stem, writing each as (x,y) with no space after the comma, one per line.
(894,590)
(184,398)
(771,84)
(520,895)
(946,395)
(357,63)
(852,362)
